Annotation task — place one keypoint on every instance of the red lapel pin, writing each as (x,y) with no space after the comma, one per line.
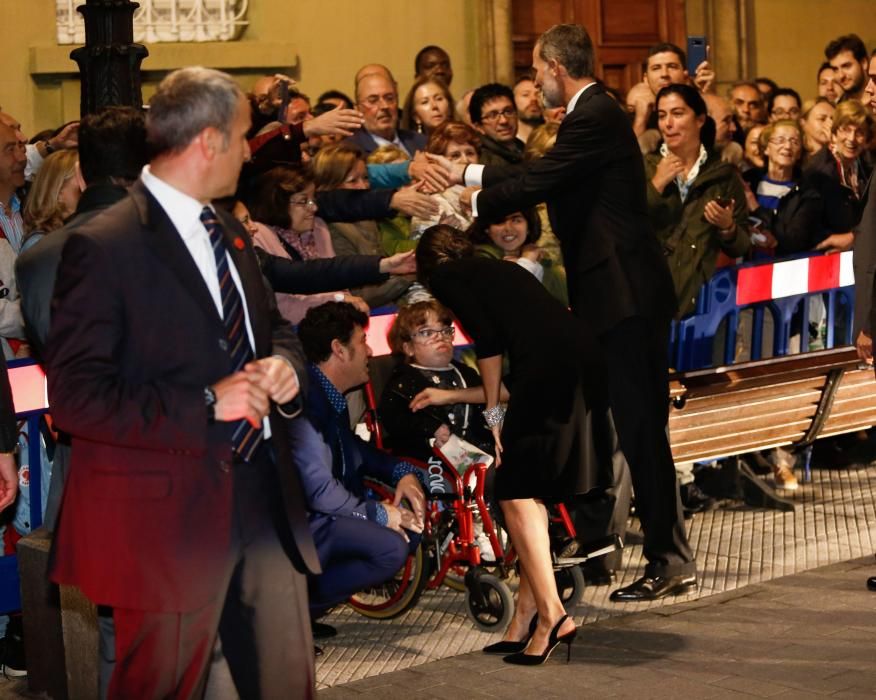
(238,243)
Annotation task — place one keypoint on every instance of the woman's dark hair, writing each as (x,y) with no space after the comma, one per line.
(695,101)
(270,202)
(479,231)
(334,320)
(786,92)
(440,244)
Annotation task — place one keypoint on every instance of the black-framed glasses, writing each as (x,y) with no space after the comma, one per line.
(427,335)
(495,114)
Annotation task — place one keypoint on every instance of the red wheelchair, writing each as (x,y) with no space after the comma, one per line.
(448,553)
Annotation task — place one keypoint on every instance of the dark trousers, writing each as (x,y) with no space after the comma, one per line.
(354,554)
(608,513)
(260,615)
(638,371)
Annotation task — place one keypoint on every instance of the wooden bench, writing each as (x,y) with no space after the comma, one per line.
(791,400)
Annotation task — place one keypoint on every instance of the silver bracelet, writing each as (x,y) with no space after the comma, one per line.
(494,416)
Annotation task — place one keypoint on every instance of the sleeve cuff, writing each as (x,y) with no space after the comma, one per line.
(474,175)
(474,204)
(293,408)
(532,267)
(403,469)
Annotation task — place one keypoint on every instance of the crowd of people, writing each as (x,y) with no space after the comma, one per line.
(562,223)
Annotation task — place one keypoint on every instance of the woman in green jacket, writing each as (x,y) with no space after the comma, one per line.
(696,202)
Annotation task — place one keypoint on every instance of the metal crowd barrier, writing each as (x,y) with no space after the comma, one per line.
(31,401)
(785,289)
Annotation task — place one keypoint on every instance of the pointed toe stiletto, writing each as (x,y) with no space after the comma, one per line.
(522,659)
(512,647)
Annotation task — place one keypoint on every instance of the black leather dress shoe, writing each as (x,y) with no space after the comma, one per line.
(654,587)
(871,583)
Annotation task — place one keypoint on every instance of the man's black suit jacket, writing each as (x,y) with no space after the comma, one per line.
(593,181)
(135,337)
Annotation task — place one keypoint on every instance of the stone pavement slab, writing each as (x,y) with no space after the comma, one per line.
(808,635)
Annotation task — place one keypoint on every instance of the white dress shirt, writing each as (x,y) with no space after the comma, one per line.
(184,213)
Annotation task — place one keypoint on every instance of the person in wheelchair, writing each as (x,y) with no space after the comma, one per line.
(430,395)
(361,541)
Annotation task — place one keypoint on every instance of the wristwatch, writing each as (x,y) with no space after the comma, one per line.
(210,402)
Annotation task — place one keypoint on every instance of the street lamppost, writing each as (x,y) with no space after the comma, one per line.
(109,63)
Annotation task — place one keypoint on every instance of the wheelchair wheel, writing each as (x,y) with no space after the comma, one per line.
(488,601)
(399,594)
(570,586)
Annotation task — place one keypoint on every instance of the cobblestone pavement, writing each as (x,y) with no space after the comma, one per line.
(835,521)
(757,626)
(802,636)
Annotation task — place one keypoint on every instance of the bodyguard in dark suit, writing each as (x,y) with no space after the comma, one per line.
(594,184)
(169,366)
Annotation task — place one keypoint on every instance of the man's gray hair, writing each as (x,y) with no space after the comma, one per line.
(570,45)
(188,101)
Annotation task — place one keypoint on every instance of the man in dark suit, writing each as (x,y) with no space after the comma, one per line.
(865,257)
(593,181)
(112,151)
(377,99)
(169,366)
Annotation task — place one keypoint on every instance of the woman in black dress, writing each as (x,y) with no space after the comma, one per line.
(547,447)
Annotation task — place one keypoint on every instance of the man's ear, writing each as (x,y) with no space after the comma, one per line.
(210,142)
(339,350)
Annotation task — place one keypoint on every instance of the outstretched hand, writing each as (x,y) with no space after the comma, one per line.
(399,264)
(335,122)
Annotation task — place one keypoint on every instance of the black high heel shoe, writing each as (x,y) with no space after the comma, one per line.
(523,659)
(512,647)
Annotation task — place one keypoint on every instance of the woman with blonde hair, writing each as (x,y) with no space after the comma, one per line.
(840,172)
(816,122)
(542,139)
(429,104)
(343,167)
(52,198)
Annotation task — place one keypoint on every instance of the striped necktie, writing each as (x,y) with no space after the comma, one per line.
(245,438)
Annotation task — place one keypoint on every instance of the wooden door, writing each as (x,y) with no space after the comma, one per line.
(622,32)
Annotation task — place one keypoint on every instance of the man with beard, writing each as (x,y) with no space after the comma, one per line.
(593,181)
(527,99)
(848,57)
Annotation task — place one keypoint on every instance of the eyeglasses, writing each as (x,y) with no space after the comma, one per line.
(427,335)
(850,131)
(792,113)
(302,202)
(781,141)
(508,112)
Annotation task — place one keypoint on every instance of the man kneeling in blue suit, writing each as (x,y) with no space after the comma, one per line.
(361,541)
